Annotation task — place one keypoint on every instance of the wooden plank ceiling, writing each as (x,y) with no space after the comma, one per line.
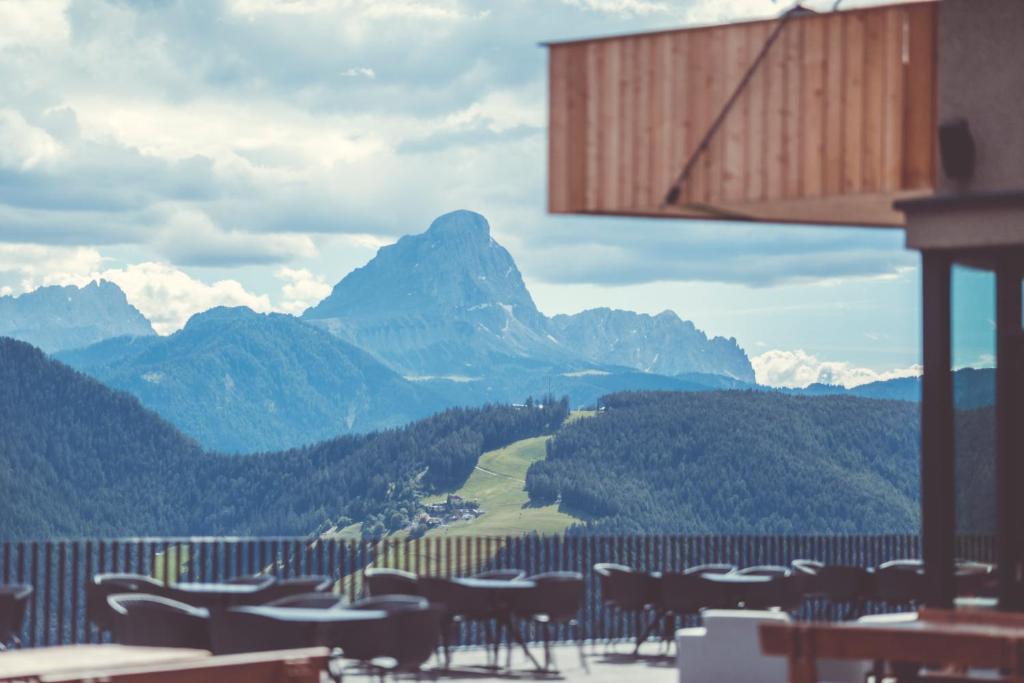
(835,123)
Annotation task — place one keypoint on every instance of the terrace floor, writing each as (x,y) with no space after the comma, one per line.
(604,664)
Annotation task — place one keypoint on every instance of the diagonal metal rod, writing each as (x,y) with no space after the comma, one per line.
(674,192)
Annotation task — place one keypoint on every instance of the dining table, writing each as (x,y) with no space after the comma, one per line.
(34,664)
(951,639)
(216,595)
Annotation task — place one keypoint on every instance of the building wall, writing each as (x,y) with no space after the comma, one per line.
(981,78)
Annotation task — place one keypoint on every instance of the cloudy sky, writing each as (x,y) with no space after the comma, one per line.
(252,152)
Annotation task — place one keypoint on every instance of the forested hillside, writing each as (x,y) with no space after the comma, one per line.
(77,458)
(736,462)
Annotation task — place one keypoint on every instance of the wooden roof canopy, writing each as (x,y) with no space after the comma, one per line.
(808,118)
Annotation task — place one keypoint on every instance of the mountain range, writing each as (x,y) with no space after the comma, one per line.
(57,318)
(242,381)
(441,318)
(81,459)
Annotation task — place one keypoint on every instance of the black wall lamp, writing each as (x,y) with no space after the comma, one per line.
(956,149)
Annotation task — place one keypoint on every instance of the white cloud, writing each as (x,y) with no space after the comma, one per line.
(301,289)
(33,265)
(35,24)
(23,146)
(640,7)
(797,369)
(190,238)
(359,71)
(169,297)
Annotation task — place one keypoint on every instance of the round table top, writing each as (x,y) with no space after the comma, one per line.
(738,578)
(313,615)
(495,584)
(217,588)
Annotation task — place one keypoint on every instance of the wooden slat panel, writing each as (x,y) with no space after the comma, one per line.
(835,50)
(874,99)
(627,125)
(792,132)
(735,128)
(644,121)
(610,66)
(843,106)
(558,124)
(756,139)
(919,116)
(775,116)
(813,108)
(853,103)
(682,126)
(661,107)
(717,94)
(577,87)
(592,189)
(892,120)
(700,76)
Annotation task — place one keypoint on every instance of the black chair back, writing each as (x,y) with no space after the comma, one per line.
(417,632)
(102,586)
(13,603)
(456,600)
(845,583)
(390,582)
(976,579)
(900,582)
(627,588)
(805,577)
(155,621)
(557,597)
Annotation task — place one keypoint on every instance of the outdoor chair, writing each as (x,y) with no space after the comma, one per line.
(630,591)
(283,588)
(975,579)
(415,628)
(155,621)
(682,594)
(847,588)
(102,586)
(781,592)
(459,604)
(556,599)
(13,603)
(900,582)
(390,582)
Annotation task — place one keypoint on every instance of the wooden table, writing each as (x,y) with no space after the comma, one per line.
(283,666)
(944,638)
(36,663)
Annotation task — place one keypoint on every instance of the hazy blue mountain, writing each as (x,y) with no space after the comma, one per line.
(447,302)
(242,381)
(449,307)
(57,318)
(663,344)
(973,388)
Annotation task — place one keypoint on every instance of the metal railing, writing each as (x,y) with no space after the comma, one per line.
(59,569)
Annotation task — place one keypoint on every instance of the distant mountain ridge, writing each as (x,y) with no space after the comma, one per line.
(58,318)
(240,381)
(452,302)
(662,344)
